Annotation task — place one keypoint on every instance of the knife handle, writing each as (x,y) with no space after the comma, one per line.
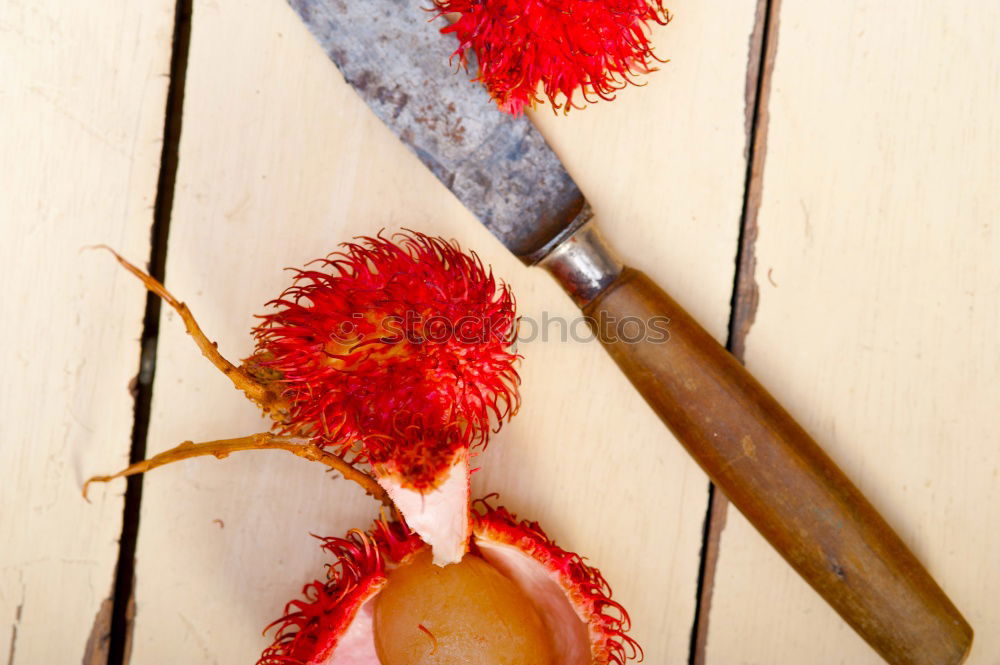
(764,462)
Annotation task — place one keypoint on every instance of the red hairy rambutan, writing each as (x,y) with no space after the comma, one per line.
(514,589)
(392,352)
(398,353)
(560,46)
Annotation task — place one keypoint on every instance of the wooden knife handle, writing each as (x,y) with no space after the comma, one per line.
(778,477)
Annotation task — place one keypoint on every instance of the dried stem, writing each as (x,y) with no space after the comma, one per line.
(262,441)
(270,401)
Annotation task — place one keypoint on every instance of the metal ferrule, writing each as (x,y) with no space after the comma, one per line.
(583,263)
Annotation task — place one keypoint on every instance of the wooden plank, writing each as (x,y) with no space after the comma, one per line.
(82,114)
(280,161)
(878,262)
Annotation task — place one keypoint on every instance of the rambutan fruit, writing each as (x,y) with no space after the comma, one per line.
(402,348)
(398,354)
(556,46)
(515,598)
(394,353)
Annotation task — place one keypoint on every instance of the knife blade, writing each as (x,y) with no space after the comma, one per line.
(498,166)
(391,53)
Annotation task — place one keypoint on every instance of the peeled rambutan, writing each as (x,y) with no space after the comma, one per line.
(558,46)
(515,598)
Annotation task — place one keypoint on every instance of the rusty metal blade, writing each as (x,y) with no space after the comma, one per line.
(500,167)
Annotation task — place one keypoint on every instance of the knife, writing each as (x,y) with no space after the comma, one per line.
(500,167)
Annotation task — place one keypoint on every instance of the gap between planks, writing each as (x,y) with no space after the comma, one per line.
(743,306)
(123,607)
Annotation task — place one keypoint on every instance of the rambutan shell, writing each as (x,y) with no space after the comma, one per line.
(440,516)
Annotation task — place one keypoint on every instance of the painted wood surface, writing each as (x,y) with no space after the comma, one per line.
(878,263)
(82,95)
(279,161)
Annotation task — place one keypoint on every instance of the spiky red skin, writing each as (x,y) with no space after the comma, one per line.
(562,46)
(310,629)
(588,590)
(396,352)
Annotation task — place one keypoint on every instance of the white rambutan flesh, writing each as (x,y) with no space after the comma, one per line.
(440,514)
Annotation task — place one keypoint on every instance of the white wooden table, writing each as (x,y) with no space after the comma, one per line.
(873,210)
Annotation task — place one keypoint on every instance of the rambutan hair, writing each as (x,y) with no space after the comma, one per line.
(311,627)
(562,46)
(396,352)
(584,585)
